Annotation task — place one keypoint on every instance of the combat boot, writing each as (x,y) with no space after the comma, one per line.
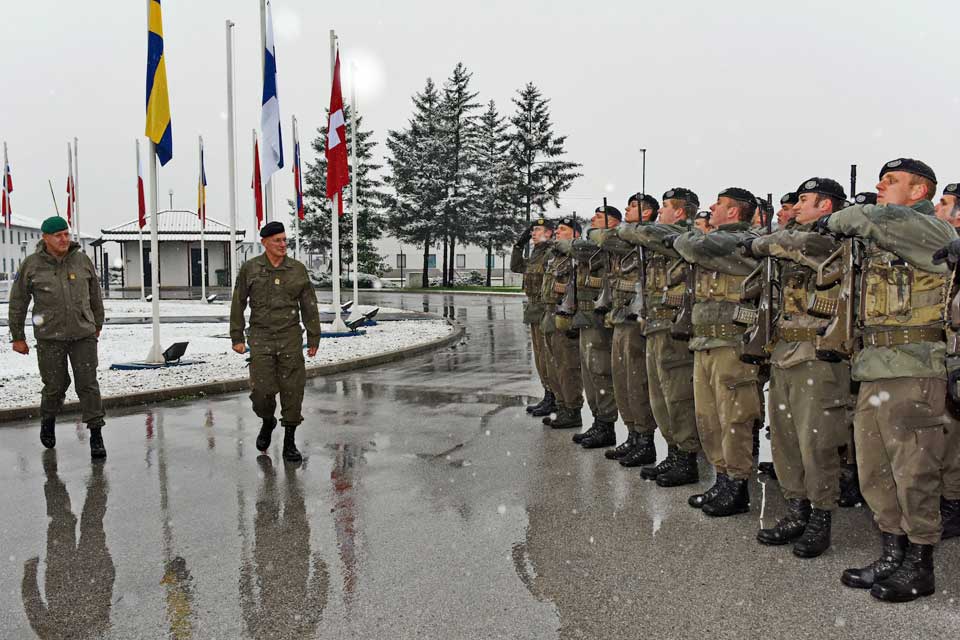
(567,419)
(894,548)
(850,495)
(624,448)
(950,515)
(651,472)
(266,433)
(644,453)
(698,500)
(604,436)
(97,449)
(48,436)
(290,451)
(545,408)
(684,470)
(533,407)
(913,579)
(816,537)
(734,499)
(589,433)
(790,527)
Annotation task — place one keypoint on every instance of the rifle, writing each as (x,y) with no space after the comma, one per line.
(604,301)
(637,309)
(759,285)
(568,305)
(682,327)
(835,342)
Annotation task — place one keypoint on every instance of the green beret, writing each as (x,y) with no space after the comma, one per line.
(54,224)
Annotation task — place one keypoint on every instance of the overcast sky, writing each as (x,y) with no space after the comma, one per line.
(750,93)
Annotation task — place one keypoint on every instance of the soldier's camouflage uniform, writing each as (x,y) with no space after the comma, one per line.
(561,339)
(532,269)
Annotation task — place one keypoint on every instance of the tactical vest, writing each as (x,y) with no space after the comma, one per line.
(663,300)
(624,274)
(798,293)
(894,294)
(589,285)
(533,275)
(554,280)
(713,286)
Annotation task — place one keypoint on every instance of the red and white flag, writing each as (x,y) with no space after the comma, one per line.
(7,188)
(257,185)
(70,200)
(141,200)
(338,170)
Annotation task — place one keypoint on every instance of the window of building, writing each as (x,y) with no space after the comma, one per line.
(401,261)
(432,261)
(461,261)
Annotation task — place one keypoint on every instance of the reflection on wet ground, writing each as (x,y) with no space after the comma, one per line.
(429,505)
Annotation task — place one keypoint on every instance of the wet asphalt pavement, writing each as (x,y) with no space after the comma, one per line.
(429,506)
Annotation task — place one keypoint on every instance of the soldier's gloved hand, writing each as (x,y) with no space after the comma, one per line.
(21,346)
(747,246)
(669,239)
(311,351)
(949,253)
(524,237)
(240,348)
(822,225)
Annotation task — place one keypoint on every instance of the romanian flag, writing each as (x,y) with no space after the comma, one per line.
(297,176)
(159,128)
(257,185)
(7,188)
(202,191)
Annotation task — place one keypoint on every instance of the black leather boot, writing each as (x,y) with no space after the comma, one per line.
(651,472)
(850,495)
(684,471)
(567,419)
(580,437)
(546,407)
(290,451)
(734,499)
(97,450)
(912,580)
(698,500)
(605,436)
(266,433)
(644,453)
(48,435)
(623,448)
(816,537)
(950,515)
(894,547)
(790,527)
(536,405)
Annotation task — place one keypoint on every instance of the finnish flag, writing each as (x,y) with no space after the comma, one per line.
(272,148)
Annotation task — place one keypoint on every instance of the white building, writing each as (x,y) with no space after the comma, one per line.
(179,240)
(404,262)
(21,239)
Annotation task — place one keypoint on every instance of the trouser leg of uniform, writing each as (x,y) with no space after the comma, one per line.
(566,356)
(52,361)
(84,361)
(784,443)
(595,345)
(708,417)
(264,381)
(900,443)
(628,358)
(951,458)
(738,405)
(541,356)
(292,377)
(670,381)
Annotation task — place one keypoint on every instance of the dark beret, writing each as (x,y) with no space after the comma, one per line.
(645,199)
(952,189)
(53,224)
(823,187)
(271,229)
(680,193)
(570,221)
(738,194)
(702,215)
(613,212)
(916,167)
(790,198)
(865,197)
(542,222)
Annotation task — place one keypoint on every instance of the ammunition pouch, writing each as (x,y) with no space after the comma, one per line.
(717,331)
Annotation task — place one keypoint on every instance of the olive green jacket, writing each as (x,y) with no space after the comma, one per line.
(912,234)
(67,303)
(532,269)
(650,236)
(716,253)
(587,253)
(279,298)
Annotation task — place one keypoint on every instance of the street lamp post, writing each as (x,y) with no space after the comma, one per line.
(171,199)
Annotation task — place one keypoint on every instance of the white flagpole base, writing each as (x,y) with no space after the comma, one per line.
(339,326)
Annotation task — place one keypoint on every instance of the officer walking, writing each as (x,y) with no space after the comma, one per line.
(280,295)
(67,319)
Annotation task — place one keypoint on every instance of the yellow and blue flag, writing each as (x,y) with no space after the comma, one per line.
(159,128)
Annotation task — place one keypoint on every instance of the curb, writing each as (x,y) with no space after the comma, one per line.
(240,384)
(457,292)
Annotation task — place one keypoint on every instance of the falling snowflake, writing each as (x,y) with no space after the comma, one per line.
(502,509)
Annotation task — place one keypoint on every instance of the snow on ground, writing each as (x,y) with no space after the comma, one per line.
(20,380)
(136,308)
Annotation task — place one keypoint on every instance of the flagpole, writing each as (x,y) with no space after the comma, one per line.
(156,355)
(354,211)
(202,214)
(143,285)
(76,190)
(338,324)
(54,196)
(296,187)
(231,157)
(73,229)
(268,185)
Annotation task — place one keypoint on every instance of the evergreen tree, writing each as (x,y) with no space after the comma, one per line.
(418,175)
(493,188)
(315,228)
(539,173)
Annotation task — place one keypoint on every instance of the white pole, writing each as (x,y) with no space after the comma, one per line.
(143,285)
(156,354)
(71,210)
(296,210)
(76,191)
(338,324)
(203,229)
(231,156)
(354,210)
(268,185)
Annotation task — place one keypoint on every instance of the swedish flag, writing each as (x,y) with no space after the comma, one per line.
(159,128)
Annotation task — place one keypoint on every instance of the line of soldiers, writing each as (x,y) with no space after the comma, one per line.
(676,319)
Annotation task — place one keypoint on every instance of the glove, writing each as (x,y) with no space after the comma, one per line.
(669,239)
(524,237)
(821,225)
(949,254)
(747,245)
